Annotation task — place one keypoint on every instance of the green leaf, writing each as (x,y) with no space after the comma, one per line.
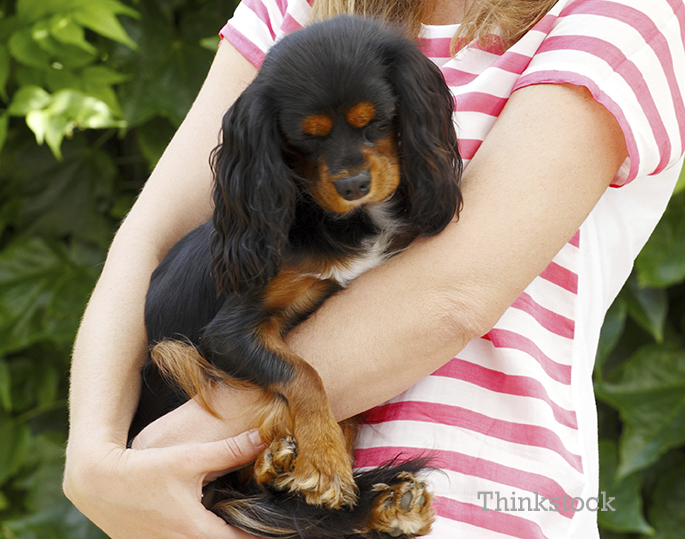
(63,28)
(60,521)
(54,117)
(101,17)
(5,386)
(44,482)
(4,124)
(628,516)
(168,72)
(76,53)
(649,393)
(51,190)
(647,306)
(662,261)
(680,186)
(666,510)
(612,329)
(15,438)
(4,71)
(153,137)
(31,271)
(25,50)
(28,99)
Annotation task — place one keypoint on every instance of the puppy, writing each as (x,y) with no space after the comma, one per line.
(338,155)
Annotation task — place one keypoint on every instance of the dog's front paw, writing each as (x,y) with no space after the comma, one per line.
(278,460)
(324,479)
(402,509)
(321,477)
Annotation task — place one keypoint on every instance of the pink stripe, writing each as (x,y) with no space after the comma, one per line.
(651,34)
(575,240)
(456,416)
(502,338)
(262,13)
(282,6)
(438,47)
(679,11)
(497,521)
(468,148)
(545,24)
(499,382)
(248,49)
(513,62)
(551,321)
(629,72)
(290,25)
(457,77)
(470,466)
(563,77)
(560,276)
(481,102)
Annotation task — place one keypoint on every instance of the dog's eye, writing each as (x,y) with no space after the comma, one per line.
(376,130)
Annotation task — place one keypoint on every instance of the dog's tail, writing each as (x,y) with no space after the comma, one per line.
(280,515)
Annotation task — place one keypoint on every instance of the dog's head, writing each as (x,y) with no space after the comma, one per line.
(346,112)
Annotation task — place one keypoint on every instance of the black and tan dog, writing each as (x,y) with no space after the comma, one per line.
(338,155)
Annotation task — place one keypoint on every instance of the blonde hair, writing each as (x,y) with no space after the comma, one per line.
(507,19)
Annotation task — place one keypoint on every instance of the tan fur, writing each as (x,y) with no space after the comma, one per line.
(380,159)
(317,124)
(361,114)
(322,470)
(402,509)
(194,375)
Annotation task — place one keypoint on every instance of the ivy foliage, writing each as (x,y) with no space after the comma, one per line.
(90,93)
(640,385)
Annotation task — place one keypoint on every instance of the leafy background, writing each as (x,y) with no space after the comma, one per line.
(91,91)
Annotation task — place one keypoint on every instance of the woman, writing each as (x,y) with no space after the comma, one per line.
(571,124)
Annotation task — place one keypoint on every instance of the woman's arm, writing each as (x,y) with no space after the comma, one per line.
(547,161)
(101,477)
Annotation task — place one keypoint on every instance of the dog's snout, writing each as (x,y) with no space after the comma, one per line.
(354,187)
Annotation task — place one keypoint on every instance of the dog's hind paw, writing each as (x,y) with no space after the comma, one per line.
(402,509)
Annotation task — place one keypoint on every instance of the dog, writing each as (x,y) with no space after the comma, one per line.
(339,154)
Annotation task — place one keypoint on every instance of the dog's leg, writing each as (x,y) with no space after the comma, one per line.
(309,453)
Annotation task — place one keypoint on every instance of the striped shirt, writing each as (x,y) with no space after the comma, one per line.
(511,421)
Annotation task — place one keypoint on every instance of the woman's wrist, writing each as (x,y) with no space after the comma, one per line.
(234,411)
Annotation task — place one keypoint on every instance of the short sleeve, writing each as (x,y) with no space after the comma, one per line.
(257,24)
(630,54)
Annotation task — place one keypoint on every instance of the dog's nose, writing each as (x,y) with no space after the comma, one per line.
(354,187)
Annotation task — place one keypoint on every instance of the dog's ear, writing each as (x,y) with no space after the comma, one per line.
(254,196)
(428,149)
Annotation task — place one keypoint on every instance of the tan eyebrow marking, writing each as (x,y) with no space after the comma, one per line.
(361,114)
(317,124)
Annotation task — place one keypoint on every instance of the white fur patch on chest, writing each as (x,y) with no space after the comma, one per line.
(374,253)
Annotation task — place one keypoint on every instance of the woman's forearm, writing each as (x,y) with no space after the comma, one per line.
(112,342)
(548,160)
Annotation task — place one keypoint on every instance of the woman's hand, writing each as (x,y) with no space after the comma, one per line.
(155,493)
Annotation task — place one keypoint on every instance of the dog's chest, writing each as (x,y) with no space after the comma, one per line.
(369,256)
(373,250)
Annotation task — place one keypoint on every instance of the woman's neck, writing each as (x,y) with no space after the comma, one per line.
(445,12)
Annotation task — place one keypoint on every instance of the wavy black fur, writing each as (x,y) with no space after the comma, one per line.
(209,290)
(291,518)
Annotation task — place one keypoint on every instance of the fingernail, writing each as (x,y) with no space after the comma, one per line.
(254,437)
